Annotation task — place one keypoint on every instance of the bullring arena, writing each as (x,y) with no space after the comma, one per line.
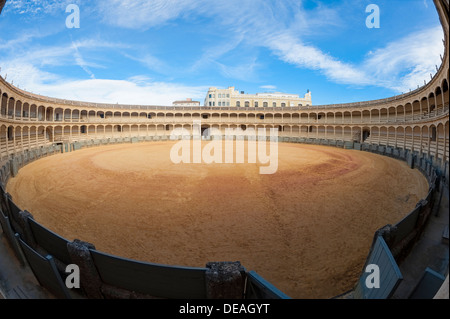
(195,214)
(349,177)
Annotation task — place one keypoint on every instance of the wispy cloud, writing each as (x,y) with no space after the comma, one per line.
(290,49)
(58,55)
(80,61)
(140,14)
(12,44)
(152,63)
(35,7)
(280,27)
(211,54)
(243,71)
(273,24)
(26,76)
(268,87)
(407,62)
(251,26)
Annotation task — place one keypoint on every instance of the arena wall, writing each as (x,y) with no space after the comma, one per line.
(413,127)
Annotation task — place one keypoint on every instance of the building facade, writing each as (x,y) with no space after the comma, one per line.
(187,102)
(232,97)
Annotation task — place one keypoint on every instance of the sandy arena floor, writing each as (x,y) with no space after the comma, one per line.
(307,229)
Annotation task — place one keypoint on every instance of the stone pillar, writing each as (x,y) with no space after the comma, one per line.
(89,277)
(225,280)
(26,230)
(388,232)
(14,165)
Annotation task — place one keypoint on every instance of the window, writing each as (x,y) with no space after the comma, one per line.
(274,104)
(228,95)
(283,104)
(265,104)
(261,117)
(238,103)
(256,104)
(210,96)
(300,104)
(210,103)
(220,103)
(205,116)
(220,96)
(247,103)
(149,116)
(228,103)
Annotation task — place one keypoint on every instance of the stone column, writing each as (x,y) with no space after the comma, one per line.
(225,280)
(89,277)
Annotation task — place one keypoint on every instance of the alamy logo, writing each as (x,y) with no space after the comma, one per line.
(373,279)
(373,19)
(73,19)
(73,279)
(257,146)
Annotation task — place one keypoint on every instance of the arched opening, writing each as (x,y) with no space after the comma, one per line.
(33,112)
(49,114)
(4,104)
(75,116)
(26,111)
(365,135)
(18,111)
(11,105)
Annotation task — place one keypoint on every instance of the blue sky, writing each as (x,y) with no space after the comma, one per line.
(154,52)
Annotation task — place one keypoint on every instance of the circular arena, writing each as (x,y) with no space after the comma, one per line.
(129,199)
(353,182)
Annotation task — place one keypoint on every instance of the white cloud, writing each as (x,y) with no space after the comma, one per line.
(400,65)
(80,61)
(291,50)
(213,53)
(15,43)
(268,87)
(143,14)
(58,55)
(35,7)
(26,75)
(407,62)
(123,91)
(243,71)
(279,26)
(153,63)
(138,90)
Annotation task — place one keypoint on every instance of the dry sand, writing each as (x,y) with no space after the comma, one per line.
(307,229)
